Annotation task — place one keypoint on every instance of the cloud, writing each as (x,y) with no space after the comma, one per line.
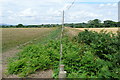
(98,1)
(27,12)
(102,5)
(76,16)
(115,5)
(66,6)
(50,11)
(24,16)
(108,5)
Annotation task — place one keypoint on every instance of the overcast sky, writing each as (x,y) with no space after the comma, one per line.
(50,11)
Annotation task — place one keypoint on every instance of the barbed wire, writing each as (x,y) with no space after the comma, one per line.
(71,5)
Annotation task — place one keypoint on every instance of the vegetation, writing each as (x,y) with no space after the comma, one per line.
(35,57)
(98,56)
(30,26)
(13,37)
(96,23)
(89,55)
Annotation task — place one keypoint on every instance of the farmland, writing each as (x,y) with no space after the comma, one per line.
(13,37)
(42,36)
(113,30)
(86,54)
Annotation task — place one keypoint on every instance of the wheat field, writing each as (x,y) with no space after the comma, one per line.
(114,30)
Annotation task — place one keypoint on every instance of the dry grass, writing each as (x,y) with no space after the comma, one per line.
(71,32)
(114,30)
(12,37)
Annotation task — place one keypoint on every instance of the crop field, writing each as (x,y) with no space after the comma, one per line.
(86,54)
(21,36)
(114,30)
(12,37)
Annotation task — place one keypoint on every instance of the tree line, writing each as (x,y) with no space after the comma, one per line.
(29,26)
(96,23)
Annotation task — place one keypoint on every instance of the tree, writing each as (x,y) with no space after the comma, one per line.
(110,23)
(94,23)
(20,26)
(118,24)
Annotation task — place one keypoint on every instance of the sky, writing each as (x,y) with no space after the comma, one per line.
(50,11)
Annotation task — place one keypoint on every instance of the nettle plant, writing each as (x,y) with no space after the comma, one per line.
(35,57)
(91,55)
(105,46)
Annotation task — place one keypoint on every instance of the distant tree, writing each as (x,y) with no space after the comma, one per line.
(11,26)
(71,25)
(94,23)
(118,24)
(84,25)
(20,26)
(110,23)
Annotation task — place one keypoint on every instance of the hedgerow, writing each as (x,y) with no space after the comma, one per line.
(101,59)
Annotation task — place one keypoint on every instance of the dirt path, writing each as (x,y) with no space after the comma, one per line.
(5,56)
(12,53)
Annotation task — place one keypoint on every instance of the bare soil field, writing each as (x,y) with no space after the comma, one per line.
(12,37)
(114,30)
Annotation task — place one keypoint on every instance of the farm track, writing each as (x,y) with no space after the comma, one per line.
(5,57)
